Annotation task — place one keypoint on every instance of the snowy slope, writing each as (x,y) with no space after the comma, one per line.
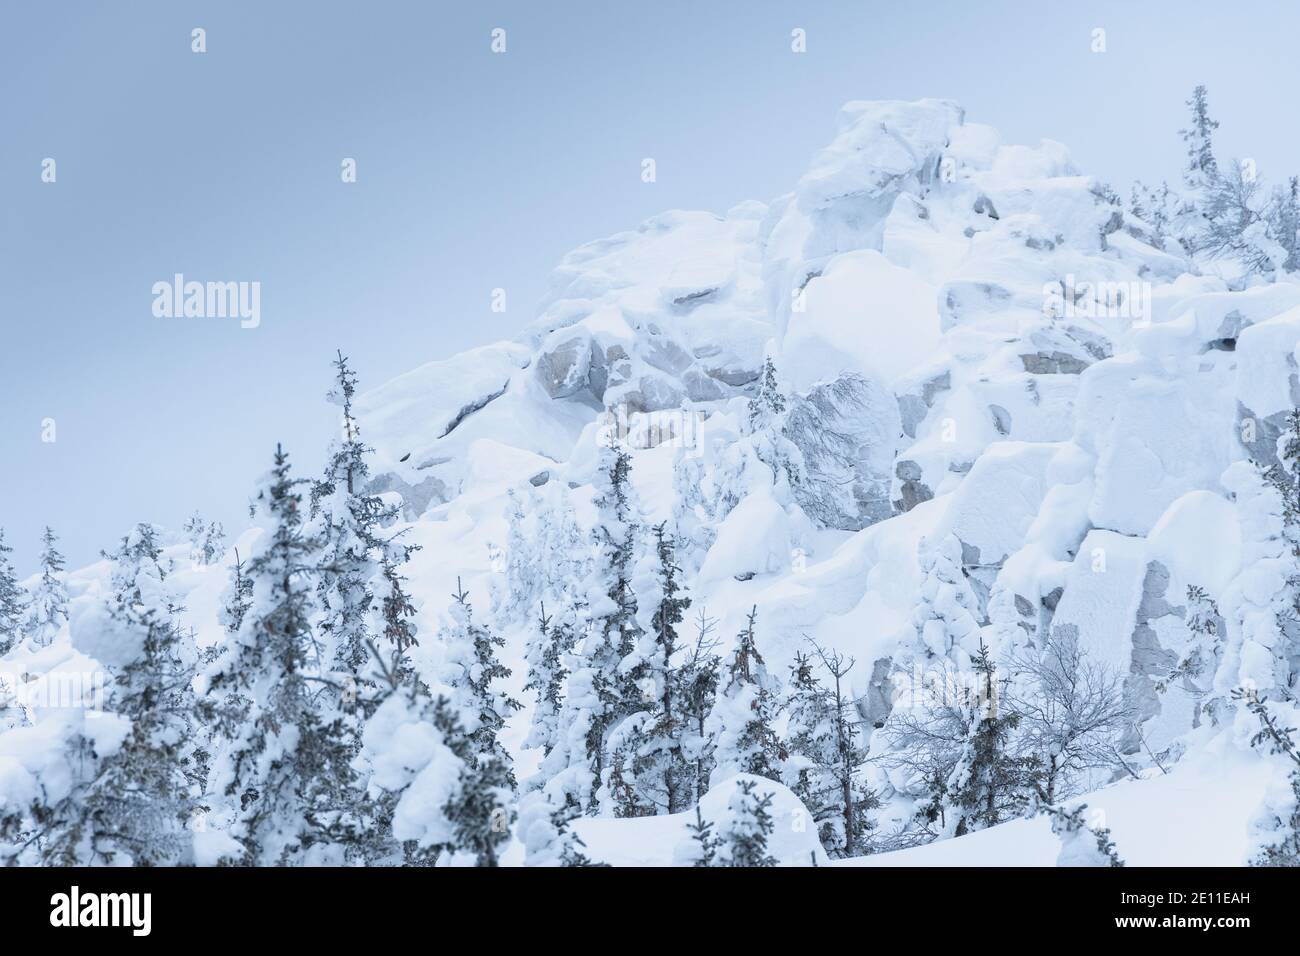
(1062,402)
(1015,364)
(1150,820)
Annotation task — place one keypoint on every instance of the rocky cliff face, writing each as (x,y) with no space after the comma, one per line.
(974,341)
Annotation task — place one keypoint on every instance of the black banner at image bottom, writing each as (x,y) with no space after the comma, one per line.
(189,906)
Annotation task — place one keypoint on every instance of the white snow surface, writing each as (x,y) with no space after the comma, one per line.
(1068,454)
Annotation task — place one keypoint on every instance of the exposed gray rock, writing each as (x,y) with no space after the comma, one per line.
(1047,610)
(1150,663)
(1096,346)
(684,303)
(1225,339)
(470,409)
(701,387)
(1053,363)
(735,377)
(651,393)
(415,498)
(878,701)
(563,370)
(1259,435)
(598,374)
(847,431)
(667,356)
(913,408)
(911,489)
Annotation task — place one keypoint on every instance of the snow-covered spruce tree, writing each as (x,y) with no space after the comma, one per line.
(1260,648)
(928,727)
(743,841)
(990,782)
(49,828)
(826,759)
(599,691)
(548,648)
(701,847)
(543,828)
(1081,845)
(285,767)
(1278,826)
(194,527)
(567,548)
(11,600)
(768,401)
(697,691)
(710,481)
(11,613)
(131,771)
(390,634)
(348,526)
(551,645)
(1139,200)
(362,597)
(766,420)
(237,598)
(1284,222)
(1225,212)
(744,712)
(1196,668)
(613,602)
(1155,207)
(207,539)
(522,566)
(810,745)
(1188,220)
(392,613)
(47,607)
(473,672)
(653,773)
(141,800)
(695,505)
(1284,478)
(547,555)
(1201,168)
(946,626)
(953,749)
(445,803)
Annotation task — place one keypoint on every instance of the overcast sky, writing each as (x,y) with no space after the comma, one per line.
(475,171)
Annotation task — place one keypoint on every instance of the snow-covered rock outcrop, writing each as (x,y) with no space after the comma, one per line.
(976,342)
(992,373)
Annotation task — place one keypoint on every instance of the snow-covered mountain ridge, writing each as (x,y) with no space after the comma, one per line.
(1086,449)
(1010,409)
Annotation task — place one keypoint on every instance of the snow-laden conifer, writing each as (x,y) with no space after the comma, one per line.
(742,722)
(11,600)
(47,606)
(283,773)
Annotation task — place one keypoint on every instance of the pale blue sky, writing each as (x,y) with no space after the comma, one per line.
(475,171)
